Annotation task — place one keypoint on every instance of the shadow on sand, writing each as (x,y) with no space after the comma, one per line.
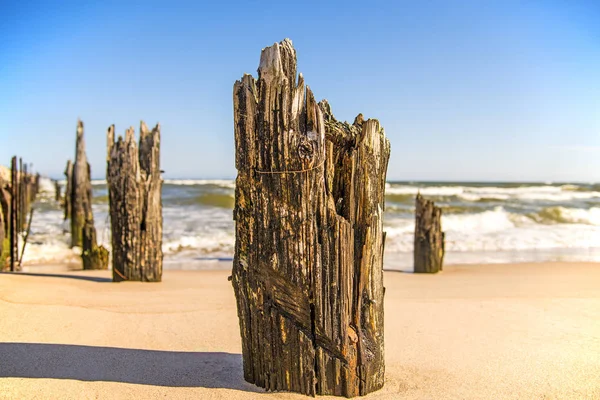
(111,364)
(74,276)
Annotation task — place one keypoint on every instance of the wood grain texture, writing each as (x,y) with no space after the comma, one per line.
(134,185)
(429,238)
(308,262)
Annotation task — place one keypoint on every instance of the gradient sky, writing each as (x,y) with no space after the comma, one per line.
(466,90)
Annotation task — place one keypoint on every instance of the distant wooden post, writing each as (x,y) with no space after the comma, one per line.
(429,238)
(5,203)
(83,232)
(79,189)
(14,245)
(2,233)
(20,196)
(68,189)
(25,189)
(57,191)
(134,186)
(308,266)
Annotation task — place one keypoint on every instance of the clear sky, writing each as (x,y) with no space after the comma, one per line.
(466,90)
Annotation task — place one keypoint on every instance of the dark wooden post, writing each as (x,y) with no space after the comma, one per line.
(20,196)
(68,189)
(5,204)
(83,232)
(134,186)
(57,191)
(25,186)
(79,189)
(308,266)
(14,245)
(2,232)
(429,238)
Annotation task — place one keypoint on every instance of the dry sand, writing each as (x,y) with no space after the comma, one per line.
(529,331)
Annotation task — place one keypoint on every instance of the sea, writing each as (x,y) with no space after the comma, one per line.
(484,222)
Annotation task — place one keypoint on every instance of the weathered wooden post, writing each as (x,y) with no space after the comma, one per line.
(83,232)
(25,192)
(2,233)
(57,191)
(308,266)
(68,189)
(14,212)
(5,205)
(429,238)
(79,189)
(20,196)
(134,187)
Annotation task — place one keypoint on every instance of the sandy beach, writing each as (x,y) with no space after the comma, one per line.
(523,331)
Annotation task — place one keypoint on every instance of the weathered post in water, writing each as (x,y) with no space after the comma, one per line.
(429,238)
(79,189)
(68,189)
(134,187)
(14,204)
(57,191)
(2,231)
(83,232)
(308,266)
(5,223)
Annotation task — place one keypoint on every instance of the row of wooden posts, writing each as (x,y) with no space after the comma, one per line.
(16,212)
(134,185)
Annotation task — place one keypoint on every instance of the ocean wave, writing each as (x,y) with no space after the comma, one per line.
(500,230)
(492,193)
(230,184)
(222,200)
(563,215)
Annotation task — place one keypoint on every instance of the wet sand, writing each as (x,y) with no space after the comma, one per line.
(523,331)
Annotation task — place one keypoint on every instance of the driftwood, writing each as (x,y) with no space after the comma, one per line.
(83,233)
(308,263)
(429,238)
(68,189)
(134,186)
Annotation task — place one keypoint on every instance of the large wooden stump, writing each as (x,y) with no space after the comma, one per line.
(308,263)
(68,189)
(429,238)
(134,186)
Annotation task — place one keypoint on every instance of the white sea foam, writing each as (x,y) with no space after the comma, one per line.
(469,193)
(499,230)
(533,219)
(193,182)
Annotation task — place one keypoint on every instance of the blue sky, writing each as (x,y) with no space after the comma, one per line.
(466,90)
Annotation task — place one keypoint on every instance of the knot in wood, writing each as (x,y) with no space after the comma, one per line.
(306,150)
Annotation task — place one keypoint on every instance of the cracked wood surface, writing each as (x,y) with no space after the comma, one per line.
(134,186)
(308,263)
